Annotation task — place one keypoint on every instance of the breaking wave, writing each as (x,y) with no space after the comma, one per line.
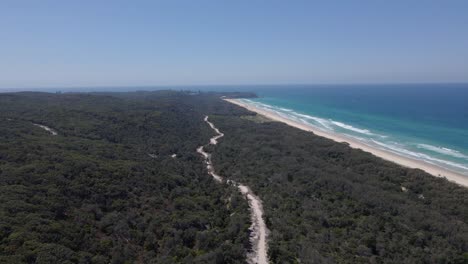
(327,124)
(398,149)
(442,150)
(349,127)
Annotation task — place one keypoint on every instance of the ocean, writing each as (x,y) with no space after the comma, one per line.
(427,122)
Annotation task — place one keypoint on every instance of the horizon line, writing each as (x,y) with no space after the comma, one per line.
(32,88)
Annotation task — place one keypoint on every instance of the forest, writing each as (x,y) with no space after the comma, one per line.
(106,188)
(328,203)
(121,182)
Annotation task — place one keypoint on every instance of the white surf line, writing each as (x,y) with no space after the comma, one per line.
(47,129)
(259,231)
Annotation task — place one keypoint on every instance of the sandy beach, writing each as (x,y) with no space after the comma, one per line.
(404,161)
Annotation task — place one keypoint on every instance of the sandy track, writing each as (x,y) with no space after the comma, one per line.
(48,129)
(259,231)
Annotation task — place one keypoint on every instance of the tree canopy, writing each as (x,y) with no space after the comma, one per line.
(107,188)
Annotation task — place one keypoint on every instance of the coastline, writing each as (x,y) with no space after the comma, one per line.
(403,161)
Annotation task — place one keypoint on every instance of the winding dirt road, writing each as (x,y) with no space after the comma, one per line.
(259,231)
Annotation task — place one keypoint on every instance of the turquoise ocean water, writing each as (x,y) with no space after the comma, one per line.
(423,122)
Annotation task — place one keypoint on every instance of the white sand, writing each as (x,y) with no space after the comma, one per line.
(48,129)
(259,231)
(258,228)
(209,165)
(404,161)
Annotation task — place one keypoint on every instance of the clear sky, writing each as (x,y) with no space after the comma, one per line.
(105,43)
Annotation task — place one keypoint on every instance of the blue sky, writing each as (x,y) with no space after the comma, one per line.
(106,43)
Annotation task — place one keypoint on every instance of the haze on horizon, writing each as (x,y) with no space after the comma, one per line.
(122,43)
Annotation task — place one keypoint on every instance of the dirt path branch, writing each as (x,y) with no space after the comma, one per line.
(48,129)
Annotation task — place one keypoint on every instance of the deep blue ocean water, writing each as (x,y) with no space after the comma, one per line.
(427,122)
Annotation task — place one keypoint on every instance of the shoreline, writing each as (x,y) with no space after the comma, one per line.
(386,155)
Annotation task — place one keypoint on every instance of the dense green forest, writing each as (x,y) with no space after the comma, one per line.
(328,203)
(107,188)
